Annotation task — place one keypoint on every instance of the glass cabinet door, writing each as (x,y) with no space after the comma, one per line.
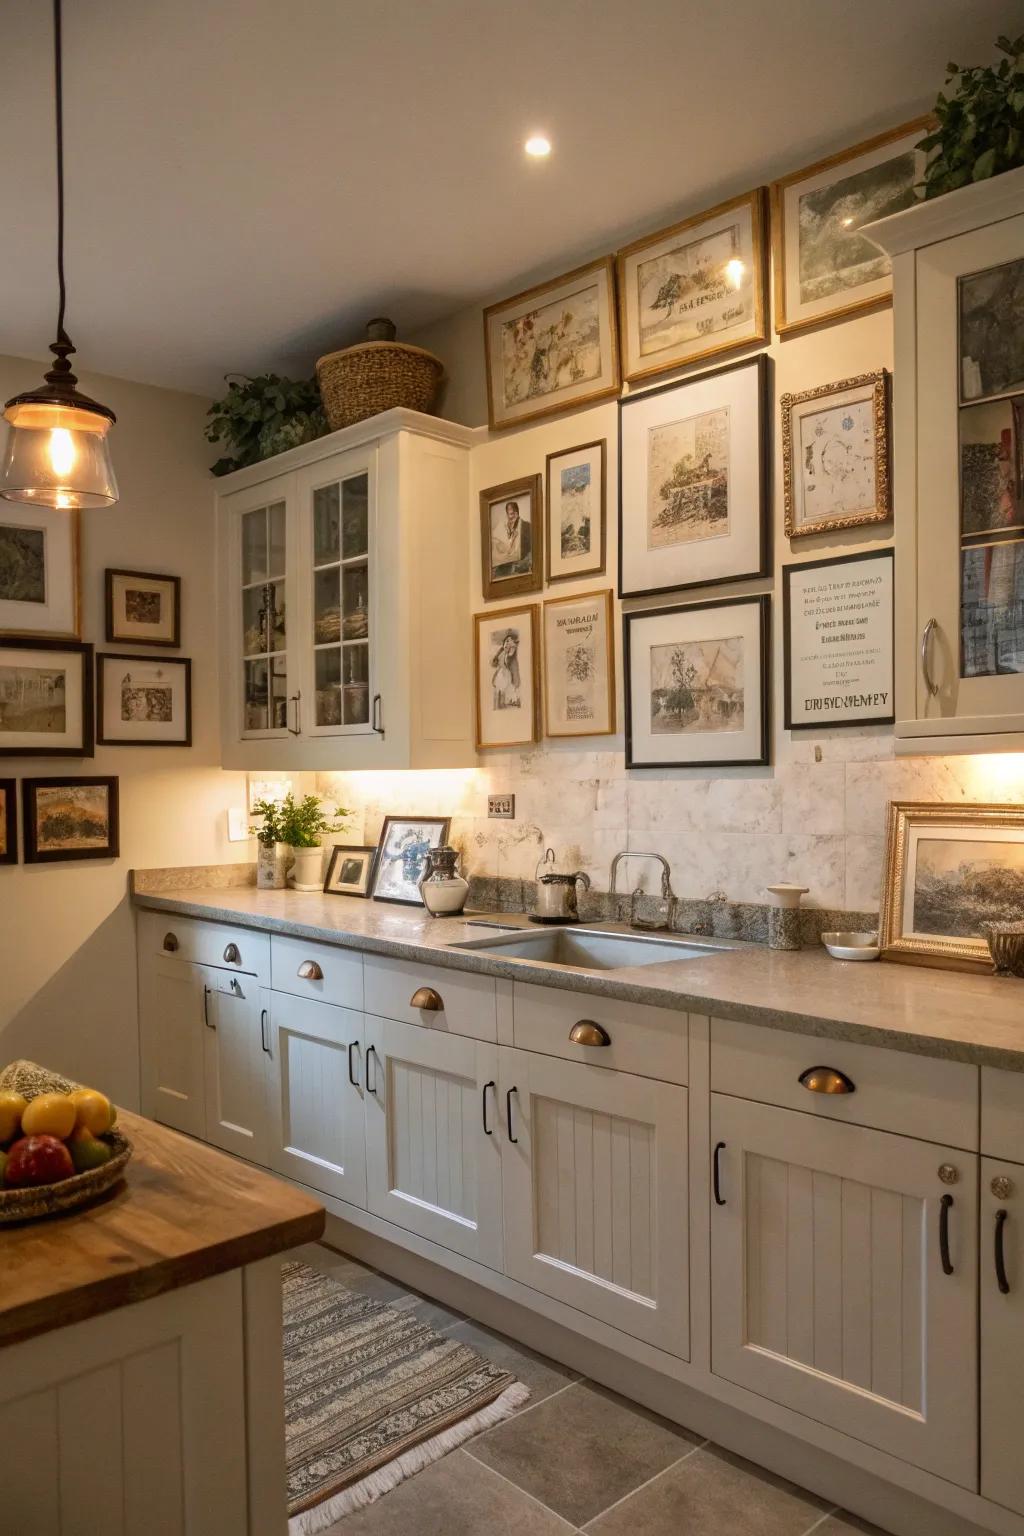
(262,570)
(340,538)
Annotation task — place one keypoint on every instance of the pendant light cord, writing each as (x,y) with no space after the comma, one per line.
(58,93)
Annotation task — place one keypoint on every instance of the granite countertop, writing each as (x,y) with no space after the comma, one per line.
(972,1018)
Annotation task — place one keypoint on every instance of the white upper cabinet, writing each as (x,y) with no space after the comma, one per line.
(958,294)
(343,581)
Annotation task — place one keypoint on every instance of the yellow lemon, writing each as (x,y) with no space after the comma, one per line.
(12,1107)
(50,1114)
(92,1109)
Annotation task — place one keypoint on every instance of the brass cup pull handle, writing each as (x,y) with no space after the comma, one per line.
(826,1080)
(232,955)
(310,971)
(427,999)
(586,1032)
(171,943)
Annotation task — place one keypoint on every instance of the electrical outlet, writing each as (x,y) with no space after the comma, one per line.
(502,807)
(238,824)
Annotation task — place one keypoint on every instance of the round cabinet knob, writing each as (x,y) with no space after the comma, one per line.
(948,1174)
(826,1080)
(310,971)
(1002,1187)
(233,955)
(427,999)
(171,943)
(586,1032)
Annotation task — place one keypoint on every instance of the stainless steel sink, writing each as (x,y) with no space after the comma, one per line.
(590,949)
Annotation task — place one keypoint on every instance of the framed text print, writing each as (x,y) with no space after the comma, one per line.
(837,624)
(579,665)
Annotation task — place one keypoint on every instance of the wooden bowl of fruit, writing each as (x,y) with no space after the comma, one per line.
(59,1147)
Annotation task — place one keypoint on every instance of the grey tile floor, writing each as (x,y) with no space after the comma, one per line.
(575,1458)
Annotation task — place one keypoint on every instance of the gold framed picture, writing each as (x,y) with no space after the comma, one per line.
(949,871)
(835,455)
(825,269)
(512,537)
(579,665)
(553,346)
(577,511)
(695,289)
(506,672)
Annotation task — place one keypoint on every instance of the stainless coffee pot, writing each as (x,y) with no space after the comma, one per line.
(556,900)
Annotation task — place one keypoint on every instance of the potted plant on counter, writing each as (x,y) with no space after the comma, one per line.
(301,824)
(272,854)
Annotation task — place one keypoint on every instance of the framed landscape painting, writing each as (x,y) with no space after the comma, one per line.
(143,702)
(143,609)
(824,267)
(67,819)
(39,571)
(45,698)
(694,290)
(401,863)
(576,503)
(506,674)
(8,821)
(552,347)
(835,455)
(512,537)
(579,666)
(949,871)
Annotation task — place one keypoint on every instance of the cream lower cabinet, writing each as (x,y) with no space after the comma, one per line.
(843,1287)
(172,996)
(316,1095)
(433,1158)
(594,1180)
(1002,1332)
(235,1054)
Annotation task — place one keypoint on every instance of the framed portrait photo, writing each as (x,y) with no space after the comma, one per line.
(552,347)
(693,481)
(39,571)
(991,331)
(835,455)
(405,842)
(506,676)
(824,267)
(579,665)
(66,819)
(695,289)
(46,699)
(837,626)
(697,685)
(949,871)
(8,821)
(512,537)
(143,609)
(576,511)
(142,701)
(350,871)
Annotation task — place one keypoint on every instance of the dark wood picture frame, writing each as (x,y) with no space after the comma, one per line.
(170,661)
(84,651)
(344,850)
(389,822)
(9,788)
(763,601)
(112,637)
(533,581)
(33,854)
(787,643)
(600,443)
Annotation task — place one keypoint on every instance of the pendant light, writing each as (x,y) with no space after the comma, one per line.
(57,453)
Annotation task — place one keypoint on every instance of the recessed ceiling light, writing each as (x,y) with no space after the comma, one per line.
(537,146)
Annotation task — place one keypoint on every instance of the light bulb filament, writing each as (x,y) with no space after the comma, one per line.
(62,452)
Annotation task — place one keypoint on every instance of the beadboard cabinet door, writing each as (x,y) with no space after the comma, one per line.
(830,1290)
(172,997)
(433,1158)
(235,1053)
(1002,1332)
(594,1173)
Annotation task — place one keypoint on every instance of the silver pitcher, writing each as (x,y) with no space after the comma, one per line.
(556,899)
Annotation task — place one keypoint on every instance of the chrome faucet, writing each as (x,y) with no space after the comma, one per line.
(668,896)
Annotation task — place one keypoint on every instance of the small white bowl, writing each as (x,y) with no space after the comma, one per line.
(851,946)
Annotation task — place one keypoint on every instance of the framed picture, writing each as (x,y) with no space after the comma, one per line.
(45,698)
(835,455)
(579,666)
(697,685)
(992,470)
(143,609)
(69,819)
(552,347)
(39,571)
(824,267)
(991,330)
(350,871)
(402,856)
(506,675)
(143,701)
(576,501)
(8,821)
(694,290)
(693,481)
(837,626)
(512,537)
(949,870)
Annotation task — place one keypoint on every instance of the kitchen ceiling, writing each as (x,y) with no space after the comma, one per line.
(249,180)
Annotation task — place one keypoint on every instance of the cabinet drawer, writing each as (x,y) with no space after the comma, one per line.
(164,933)
(651,1042)
(893,1090)
(1002,1114)
(340,978)
(468,1004)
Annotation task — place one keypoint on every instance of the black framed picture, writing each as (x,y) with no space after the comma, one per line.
(8,821)
(697,684)
(46,701)
(695,482)
(350,871)
(405,842)
(143,701)
(70,818)
(838,640)
(143,608)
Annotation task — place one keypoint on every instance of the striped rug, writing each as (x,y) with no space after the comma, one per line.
(372,1395)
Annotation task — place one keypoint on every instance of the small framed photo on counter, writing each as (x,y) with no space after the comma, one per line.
(67,819)
(405,842)
(143,609)
(579,665)
(8,821)
(837,636)
(350,871)
(143,701)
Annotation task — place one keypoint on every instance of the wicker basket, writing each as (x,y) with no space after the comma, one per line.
(28,1079)
(377,376)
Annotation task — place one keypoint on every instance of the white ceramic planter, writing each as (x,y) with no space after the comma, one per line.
(306,872)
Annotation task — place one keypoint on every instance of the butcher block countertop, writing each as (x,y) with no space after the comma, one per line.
(183,1213)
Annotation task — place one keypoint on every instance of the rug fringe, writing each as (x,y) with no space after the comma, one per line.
(370,1488)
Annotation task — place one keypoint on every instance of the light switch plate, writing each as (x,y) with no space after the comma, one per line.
(238,824)
(501,807)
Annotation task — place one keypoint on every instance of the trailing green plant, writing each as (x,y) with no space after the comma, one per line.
(980,129)
(259,417)
(301,822)
(268,829)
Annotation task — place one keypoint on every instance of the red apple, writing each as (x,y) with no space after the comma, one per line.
(37,1160)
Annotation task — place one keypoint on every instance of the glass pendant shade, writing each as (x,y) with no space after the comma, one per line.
(57,454)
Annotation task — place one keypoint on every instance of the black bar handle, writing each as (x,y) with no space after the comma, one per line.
(377,717)
(1001,1280)
(263,1030)
(508,1115)
(944,1209)
(371,1052)
(719,1147)
(353,1045)
(483,1107)
(206,1009)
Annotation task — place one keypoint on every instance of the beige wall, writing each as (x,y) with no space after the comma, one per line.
(67,949)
